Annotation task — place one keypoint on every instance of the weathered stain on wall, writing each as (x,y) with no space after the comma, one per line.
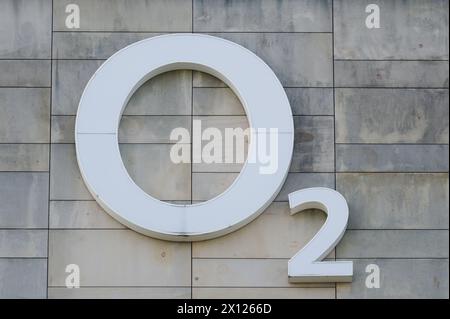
(371,117)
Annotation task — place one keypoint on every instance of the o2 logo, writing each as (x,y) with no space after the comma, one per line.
(266,106)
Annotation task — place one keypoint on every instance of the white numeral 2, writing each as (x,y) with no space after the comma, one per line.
(306,265)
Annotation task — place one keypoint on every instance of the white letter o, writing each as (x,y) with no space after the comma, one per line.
(100,110)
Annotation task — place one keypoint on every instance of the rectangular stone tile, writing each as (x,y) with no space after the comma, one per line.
(274,234)
(262,16)
(166,94)
(202,79)
(169,93)
(310,101)
(399,278)
(152,169)
(26,29)
(402,201)
(24,200)
(391,158)
(23,243)
(244,273)
(118,258)
(24,157)
(122,15)
(23,278)
(391,116)
(24,115)
(393,244)
(408,30)
(298,59)
(69,80)
(216,101)
(121,293)
(206,186)
(313,144)
(65,178)
(151,129)
(391,73)
(25,73)
(263,293)
(238,149)
(297,181)
(211,98)
(63,129)
(93,45)
(80,214)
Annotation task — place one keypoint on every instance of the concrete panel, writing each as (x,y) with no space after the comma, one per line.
(391,158)
(244,273)
(66,182)
(260,16)
(310,101)
(63,129)
(201,79)
(391,116)
(414,29)
(166,94)
(402,201)
(24,115)
(313,144)
(206,186)
(69,79)
(23,278)
(118,258)
(121,293)
(393,244)
(24,200)
(297,181)
(391,73)
(274,234)
(23,243)
(25,73)
(263,293)
(158,176)
(24,157)
(28,24)
(169,93)
(399,278)
(93,45)
(124,15)
(216,101)
(298,59)
(80,214)
(151,129)
(222,123)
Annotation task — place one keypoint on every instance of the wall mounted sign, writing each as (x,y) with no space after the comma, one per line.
(266,105)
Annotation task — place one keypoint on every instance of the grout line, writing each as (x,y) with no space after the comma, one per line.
(156,32)
(393,60)
(310,285)
(125,228)
(324,259)
(171,143)
(150,32)
(24,87)
(394,87)
(279,258)
(49,149)
(236,172)
(334,118)
(191,147)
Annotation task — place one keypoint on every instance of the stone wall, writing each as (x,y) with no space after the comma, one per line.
(371,114)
